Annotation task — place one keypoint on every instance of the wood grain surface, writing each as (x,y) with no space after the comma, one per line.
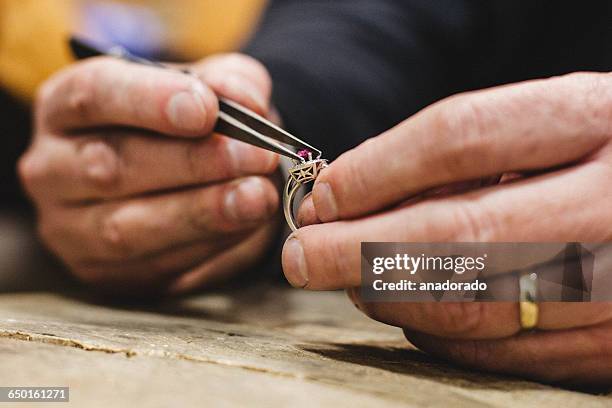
(262,346)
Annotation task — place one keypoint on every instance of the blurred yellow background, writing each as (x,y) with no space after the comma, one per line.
(33,33)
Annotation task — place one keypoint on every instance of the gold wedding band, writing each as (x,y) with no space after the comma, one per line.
(529,309)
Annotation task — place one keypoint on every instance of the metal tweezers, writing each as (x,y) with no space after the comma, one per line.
(234,120)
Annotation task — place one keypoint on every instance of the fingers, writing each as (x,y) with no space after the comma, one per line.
(145,225)
(562,316)
(468,320)
(481,320)
(307,214)
(107,91)
(571,357)
(327,256)
(100,137)
(120,162)
(151,273)
(239,78)
(534,125)
(227,263)
(126,163)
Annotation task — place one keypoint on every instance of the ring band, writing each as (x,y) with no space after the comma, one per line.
(299,175)
(529,309)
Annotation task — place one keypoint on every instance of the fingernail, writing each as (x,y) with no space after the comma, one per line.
(246,202)
(186,110)
(294,263)
(325,202)
(246,159)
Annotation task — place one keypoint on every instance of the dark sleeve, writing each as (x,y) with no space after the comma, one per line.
(15,128)
(346,70)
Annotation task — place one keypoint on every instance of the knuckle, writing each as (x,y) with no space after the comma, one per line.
(81,87)
(598,102)
(82,100)
(464,124)
(113,237)
(355,172)
(32,169)
(77,82)
(101,157)
(472,222)
(27,170)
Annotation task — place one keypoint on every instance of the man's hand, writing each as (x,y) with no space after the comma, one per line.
(133,192)
(557,135)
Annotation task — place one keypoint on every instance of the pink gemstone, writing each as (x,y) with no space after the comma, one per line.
(304,154)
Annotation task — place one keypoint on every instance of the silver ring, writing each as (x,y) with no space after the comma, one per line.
(299,175)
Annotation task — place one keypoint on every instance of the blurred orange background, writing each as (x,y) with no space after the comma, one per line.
(33,33)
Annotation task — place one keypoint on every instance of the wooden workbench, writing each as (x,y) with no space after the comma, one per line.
(267,346)
(258,346)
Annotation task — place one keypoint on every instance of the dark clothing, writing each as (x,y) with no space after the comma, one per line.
(346,70)
(15,133)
